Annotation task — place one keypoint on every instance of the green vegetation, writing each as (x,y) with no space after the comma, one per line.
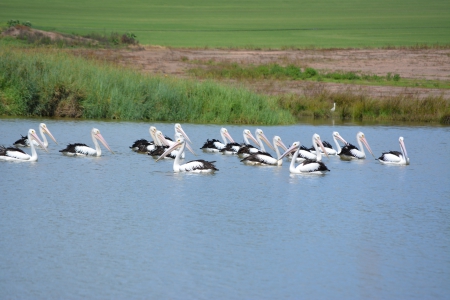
(48,82)
(317,103)
(268,24)
(225,70)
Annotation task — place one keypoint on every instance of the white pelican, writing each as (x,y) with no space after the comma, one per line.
(334,107)
(16,154)
(43,129)
(144,146)
(350,152)
(246,149)
(395,157)
(264,158)
(194,166)
(78,149)
(307,166)
(214,145)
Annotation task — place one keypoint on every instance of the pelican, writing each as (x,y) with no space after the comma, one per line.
(194,166)
(16,154)
(395,157)
(265,159)
(246,149)
(350,152)
(43,129)
(333,108)
(214,145)
(144,146)
(307,166)
(78,149)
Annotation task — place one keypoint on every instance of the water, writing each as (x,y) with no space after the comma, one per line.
(123,226)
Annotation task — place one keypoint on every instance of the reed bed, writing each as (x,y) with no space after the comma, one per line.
(47,82)
(349,106)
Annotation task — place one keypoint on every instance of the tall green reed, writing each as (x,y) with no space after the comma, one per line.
(48,82)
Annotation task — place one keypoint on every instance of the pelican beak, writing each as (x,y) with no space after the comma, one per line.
(341,139)
(319,142)
(282,145)
(170,149)
(228,136)
(402,145)
(190,149)
(162,138)
(99,137)
(50,134)
(250,136)
(36,138)
(288,151)
(263,137)
(363,139)
(180,130)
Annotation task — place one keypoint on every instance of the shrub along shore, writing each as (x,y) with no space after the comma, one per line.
(53,83)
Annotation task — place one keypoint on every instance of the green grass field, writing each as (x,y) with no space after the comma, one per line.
(253,24)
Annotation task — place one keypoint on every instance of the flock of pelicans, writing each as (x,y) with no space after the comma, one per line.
(309,160)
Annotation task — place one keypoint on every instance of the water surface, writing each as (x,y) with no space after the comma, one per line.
(123,226)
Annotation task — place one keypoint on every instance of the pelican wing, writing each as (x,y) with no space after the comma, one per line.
(22,142)
(198,165)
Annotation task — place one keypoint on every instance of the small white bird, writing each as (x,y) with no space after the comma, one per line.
(334,107)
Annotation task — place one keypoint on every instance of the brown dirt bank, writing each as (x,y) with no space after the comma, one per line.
(431,64)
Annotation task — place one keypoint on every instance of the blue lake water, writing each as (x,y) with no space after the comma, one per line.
(124,226)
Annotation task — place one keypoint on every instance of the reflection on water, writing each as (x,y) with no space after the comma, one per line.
(122,225)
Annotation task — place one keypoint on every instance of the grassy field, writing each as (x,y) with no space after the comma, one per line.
(253,24)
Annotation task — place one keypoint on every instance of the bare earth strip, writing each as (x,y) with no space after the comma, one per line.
(431,64)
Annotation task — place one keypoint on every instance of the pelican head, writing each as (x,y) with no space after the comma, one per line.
(291,149)
(181,136)
(249,135)
(279,143)
(96,134)
(261,136)
(32,135)
(339,137)
(226,135)
(45,130)
(179,142)
(360,137)
(317,141)
(180,130)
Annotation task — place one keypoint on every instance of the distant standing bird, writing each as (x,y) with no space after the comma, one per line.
(334,107)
